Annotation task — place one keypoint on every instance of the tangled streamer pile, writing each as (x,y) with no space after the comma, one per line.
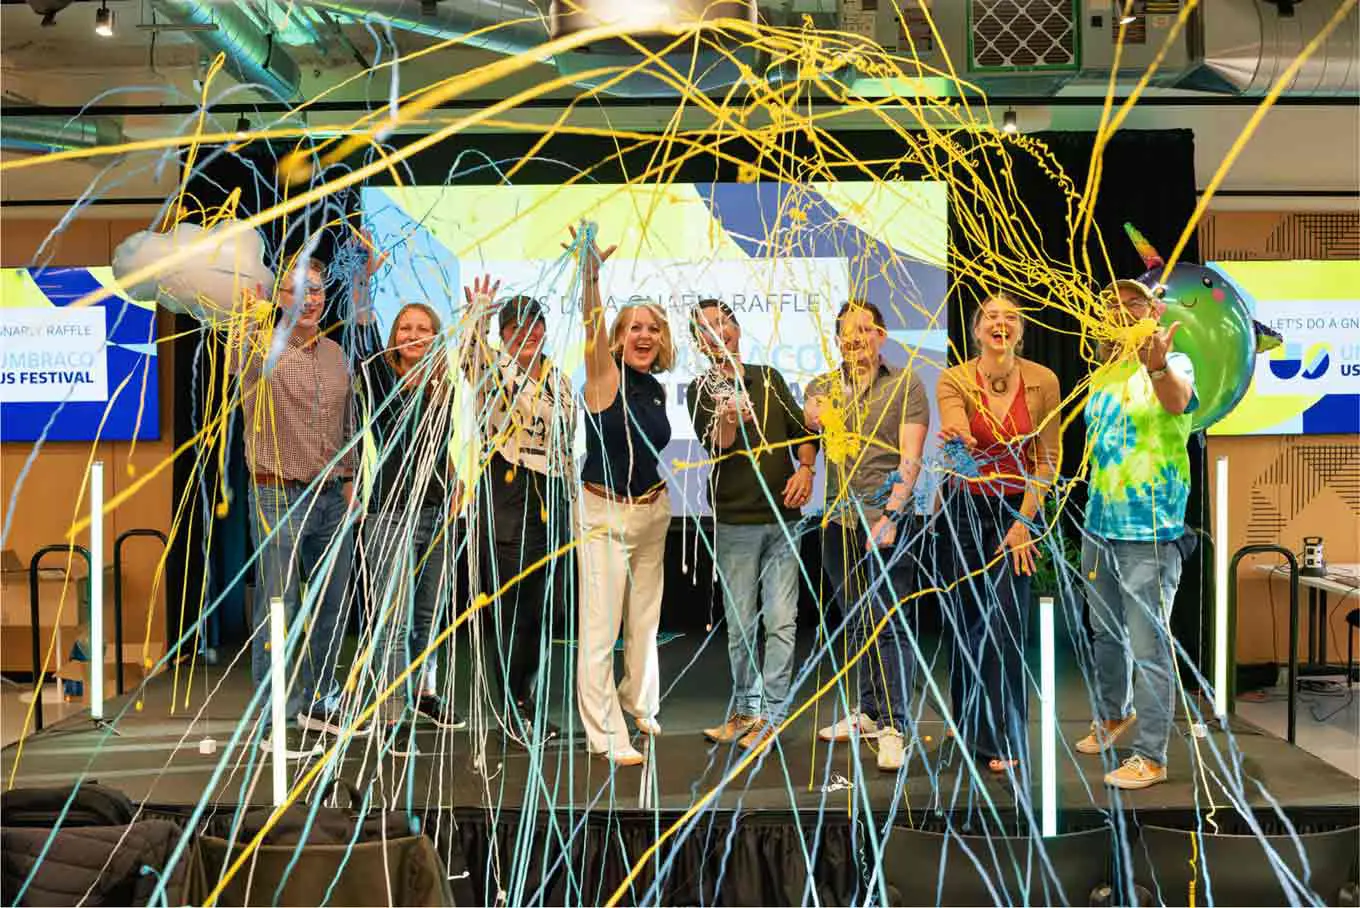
(474,603)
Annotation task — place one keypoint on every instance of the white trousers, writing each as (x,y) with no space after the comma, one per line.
(622,576)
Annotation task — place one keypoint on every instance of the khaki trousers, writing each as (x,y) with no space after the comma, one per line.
(622,576)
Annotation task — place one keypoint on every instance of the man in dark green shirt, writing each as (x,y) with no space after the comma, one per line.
(747,420)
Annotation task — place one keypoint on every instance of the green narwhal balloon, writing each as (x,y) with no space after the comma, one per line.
(1217,332)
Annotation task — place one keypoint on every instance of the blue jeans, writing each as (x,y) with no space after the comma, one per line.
(751,556)
(1131,588)
(987,616)
(865,592)
(308,527)
(408,580)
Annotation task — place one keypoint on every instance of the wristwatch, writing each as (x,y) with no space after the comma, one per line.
(898,517)
(1155,374)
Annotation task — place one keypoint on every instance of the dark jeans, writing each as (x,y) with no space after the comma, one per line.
(409,580)
(986,616)
(865,592)
(302,534)
(522,638)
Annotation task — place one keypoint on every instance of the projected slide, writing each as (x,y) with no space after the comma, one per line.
(69,374)
(1311,384)
(783,257)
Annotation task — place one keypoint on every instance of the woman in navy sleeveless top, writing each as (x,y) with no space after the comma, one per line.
(625,512)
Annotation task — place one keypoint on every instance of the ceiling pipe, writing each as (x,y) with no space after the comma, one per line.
(521,27)
(1248,44)
(41,135)
(455,19)
(252,55)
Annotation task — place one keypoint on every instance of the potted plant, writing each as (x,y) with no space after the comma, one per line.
(1058,575)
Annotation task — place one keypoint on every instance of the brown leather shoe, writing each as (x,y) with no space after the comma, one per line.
(759,733)
(1104,735)
(735,726)
(626,756)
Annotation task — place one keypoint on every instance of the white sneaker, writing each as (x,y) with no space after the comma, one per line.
(854,724)
(329,722)
(291,753)
(891,750)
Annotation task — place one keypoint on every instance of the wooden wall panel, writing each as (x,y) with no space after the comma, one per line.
(51,496)
(1285,487)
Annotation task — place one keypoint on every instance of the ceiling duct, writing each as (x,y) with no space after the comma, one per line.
(521,27)
(41,135)
(453,19)
(1248,44)
(252,55)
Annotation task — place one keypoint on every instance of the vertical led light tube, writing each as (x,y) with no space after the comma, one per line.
(97,591)
(1048,721)
(278,698)
(1221,587)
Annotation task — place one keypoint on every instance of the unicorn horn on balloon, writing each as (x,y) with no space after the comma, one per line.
(1217,330)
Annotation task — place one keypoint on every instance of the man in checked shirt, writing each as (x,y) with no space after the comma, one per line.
(298,419)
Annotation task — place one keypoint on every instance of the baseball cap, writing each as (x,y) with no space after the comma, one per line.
(1138,287)
(520,310)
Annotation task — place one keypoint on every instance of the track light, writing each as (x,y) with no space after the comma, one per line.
(103,21)
(242,127)
(1009,122)
(1127,20)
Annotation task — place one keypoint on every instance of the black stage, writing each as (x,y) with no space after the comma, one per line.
(156,758)
(809,823)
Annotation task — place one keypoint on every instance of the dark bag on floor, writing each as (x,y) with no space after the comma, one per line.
(382,862)
(98,856)
(93,805)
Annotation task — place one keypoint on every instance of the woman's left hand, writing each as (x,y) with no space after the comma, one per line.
(882,535)
(1021,545)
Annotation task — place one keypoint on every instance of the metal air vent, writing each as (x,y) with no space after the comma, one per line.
(1011,35)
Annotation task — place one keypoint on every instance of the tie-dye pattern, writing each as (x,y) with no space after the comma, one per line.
(1140,471)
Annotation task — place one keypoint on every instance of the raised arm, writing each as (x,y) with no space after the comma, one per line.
(602,373)
(475,355)
(366,337)
(1174,387)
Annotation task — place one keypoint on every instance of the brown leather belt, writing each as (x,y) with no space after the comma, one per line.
(269,479)
(601,492)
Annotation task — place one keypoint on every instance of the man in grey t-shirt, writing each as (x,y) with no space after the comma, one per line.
(873,419)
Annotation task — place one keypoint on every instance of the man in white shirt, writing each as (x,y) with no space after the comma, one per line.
(530,417)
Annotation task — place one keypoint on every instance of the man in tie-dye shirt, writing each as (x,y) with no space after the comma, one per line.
(1137,425)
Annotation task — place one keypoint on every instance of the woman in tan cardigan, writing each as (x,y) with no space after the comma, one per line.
(1004,410)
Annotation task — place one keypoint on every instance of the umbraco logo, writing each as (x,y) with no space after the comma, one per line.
(1289,361)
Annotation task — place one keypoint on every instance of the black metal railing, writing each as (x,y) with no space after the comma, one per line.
(1293,625)
(35,613)
(118,594)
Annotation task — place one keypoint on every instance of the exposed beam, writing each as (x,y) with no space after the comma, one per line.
(181,110)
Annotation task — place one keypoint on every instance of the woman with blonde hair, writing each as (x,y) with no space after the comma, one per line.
(410,485)
(1004,410)
(625,512)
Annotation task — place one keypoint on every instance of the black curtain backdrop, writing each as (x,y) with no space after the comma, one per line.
(1148,180)
(778,857)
